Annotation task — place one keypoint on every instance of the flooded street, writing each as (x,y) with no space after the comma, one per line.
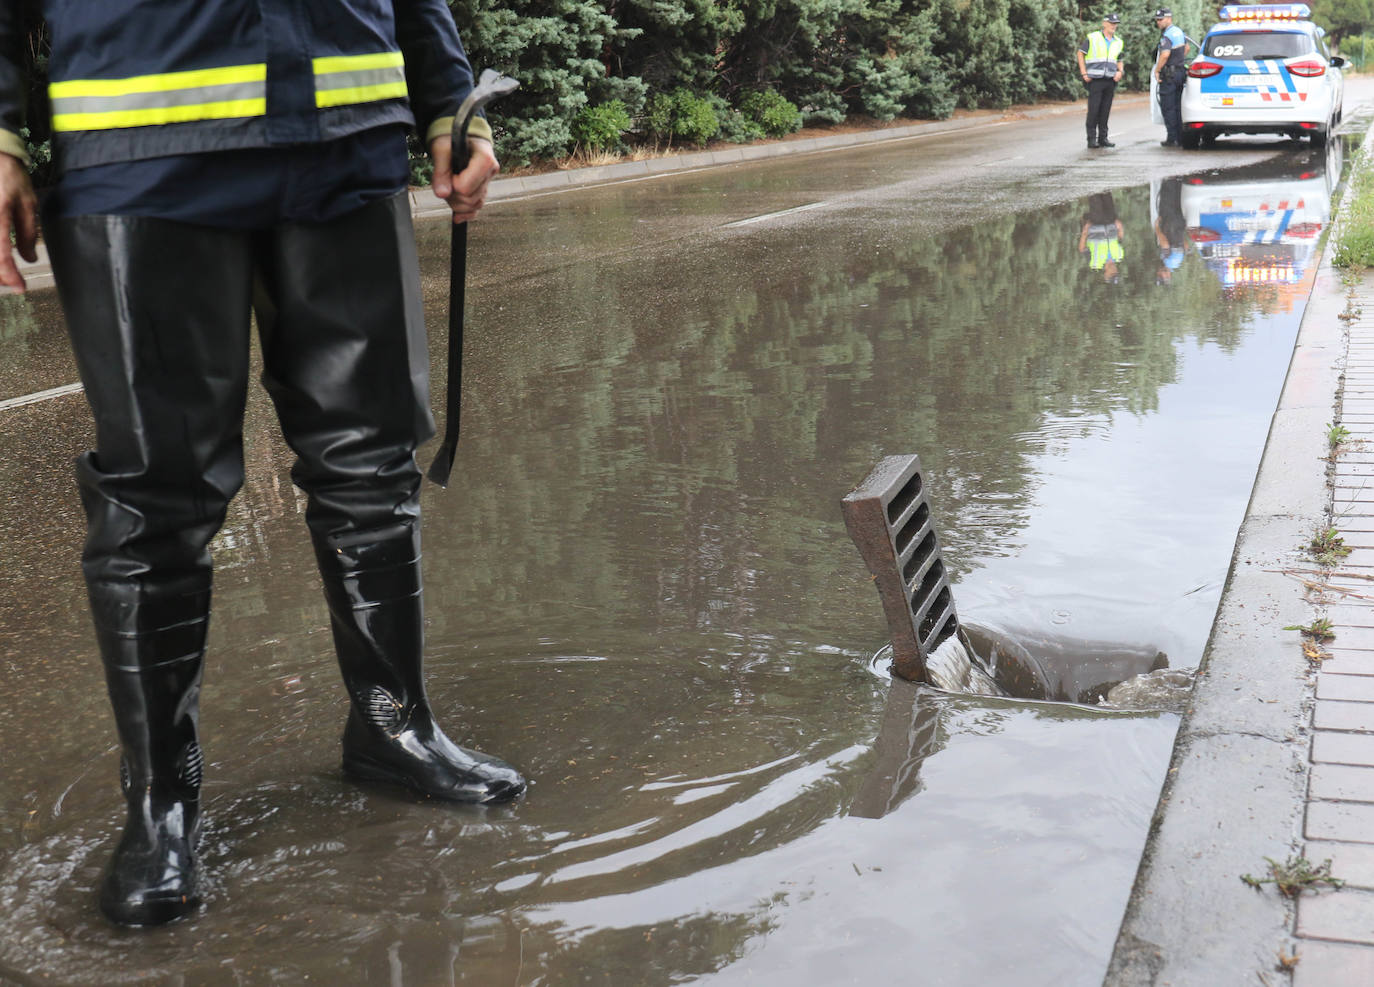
(641,592)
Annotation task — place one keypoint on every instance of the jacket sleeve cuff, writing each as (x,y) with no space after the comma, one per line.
(478,127)
(12,144)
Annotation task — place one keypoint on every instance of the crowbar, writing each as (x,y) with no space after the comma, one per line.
(491,85)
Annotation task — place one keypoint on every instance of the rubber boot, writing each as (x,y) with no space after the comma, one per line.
(346,361)
(372,584)
(153,646)
(158,314)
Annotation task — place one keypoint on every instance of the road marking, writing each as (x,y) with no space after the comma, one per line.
(39,396)
(773,215)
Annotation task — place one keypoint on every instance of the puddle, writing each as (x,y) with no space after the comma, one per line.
(641,591)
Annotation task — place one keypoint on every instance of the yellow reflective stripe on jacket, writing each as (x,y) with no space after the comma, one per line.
(233,91)
(342,80)
(169,97)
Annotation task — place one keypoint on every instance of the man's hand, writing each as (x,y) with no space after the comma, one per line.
(465,192)
(18,214)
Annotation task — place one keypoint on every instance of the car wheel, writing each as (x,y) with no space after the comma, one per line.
(1192,140)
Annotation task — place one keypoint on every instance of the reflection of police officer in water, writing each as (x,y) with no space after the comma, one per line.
(1171,230)
(1101,237)
(1171,75)
(1100,67)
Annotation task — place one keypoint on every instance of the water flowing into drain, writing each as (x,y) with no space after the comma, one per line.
(889,518)
(954,667)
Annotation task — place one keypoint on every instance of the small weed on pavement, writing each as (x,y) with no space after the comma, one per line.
(1318,630)
(1295,875)
(1327,547)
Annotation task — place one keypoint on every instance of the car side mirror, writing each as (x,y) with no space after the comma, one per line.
(1337,62)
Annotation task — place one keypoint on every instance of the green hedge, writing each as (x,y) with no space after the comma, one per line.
(1358,49)
(698,60)
(599,127)
(697,70)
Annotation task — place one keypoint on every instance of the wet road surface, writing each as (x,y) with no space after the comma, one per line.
(640,589)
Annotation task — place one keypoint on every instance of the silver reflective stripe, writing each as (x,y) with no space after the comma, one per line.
(1101,70)
(360,78)
(155,100)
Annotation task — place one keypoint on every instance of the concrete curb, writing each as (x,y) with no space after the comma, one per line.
(1237,784)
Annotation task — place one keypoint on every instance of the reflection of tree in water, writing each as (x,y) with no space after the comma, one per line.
(34,353)
(16,324)
(713,421)
(652,474)
(667,435)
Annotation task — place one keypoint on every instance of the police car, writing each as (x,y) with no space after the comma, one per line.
(1265,69)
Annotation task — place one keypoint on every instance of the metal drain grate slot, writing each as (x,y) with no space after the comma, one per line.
(904,498)
(889,519)
(919,559)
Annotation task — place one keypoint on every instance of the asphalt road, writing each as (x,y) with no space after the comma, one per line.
(639,584)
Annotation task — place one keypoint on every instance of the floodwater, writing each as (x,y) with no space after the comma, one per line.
(640,590)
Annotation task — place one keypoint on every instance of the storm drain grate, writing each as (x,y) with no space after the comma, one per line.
(888,516)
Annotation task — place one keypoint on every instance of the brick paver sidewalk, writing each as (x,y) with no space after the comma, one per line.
(1336,929)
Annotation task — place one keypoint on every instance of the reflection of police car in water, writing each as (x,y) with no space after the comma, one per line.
(1260,225)
(1265,69)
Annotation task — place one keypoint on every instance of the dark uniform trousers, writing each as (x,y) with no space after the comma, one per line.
(1100,93)
(1170,94)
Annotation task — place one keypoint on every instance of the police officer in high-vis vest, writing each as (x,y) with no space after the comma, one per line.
(1100,67)
(220,158)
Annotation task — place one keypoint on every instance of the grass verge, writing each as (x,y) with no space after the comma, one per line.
(1355,246)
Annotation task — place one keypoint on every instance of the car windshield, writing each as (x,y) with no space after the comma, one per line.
(1258,44)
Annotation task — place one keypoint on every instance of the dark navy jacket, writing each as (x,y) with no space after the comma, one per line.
(132,80)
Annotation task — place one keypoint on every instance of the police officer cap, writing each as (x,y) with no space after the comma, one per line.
(1163,12)
(1112,19)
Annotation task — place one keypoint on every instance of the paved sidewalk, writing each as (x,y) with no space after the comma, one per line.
(1337,929)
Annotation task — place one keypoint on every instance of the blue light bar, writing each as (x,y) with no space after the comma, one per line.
(1265,12)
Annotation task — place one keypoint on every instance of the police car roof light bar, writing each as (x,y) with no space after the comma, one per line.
(1266,12)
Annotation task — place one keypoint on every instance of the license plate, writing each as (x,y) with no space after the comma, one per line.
(1255,82)
(1253,224)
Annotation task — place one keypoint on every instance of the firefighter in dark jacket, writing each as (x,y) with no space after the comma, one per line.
(217,158)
